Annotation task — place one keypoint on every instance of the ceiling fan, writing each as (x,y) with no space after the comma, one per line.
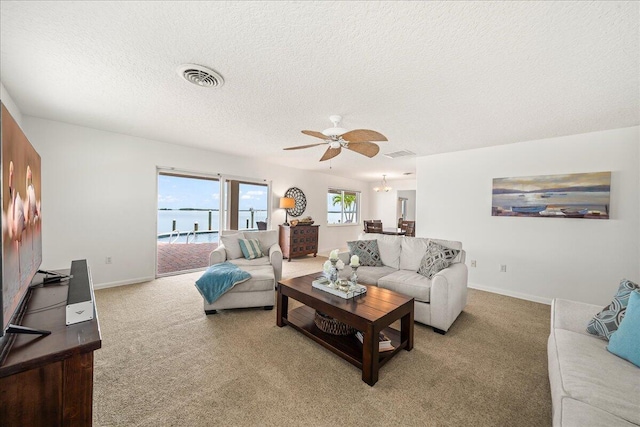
(337,138)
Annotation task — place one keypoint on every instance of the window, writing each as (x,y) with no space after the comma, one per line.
(246,204)
(343,207)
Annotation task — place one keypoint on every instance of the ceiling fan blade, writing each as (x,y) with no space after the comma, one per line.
(369,149)
(330,153)
(314,133)
(304,146)
(362,135)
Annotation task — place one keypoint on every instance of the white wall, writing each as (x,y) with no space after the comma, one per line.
(99,196)
(383,206)
(578,259)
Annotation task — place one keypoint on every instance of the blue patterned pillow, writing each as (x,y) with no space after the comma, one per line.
(367,251)
(607,321)
(250,248)
(625,342)
(436,258)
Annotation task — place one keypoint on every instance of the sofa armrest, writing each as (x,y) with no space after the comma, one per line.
(218,255)
(448,295)
(572,315)
(275,258)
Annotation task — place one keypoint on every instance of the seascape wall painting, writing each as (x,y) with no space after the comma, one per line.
(578,195)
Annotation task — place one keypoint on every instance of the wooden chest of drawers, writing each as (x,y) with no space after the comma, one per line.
(299,240)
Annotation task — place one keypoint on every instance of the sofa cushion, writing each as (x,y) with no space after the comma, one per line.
(436,258)
(369,275)
(625,342)
(367,251)
(231,244)
(250,248)
(267,238)
(262,279)
(607,321)
(242,262)
(412,252)
(576,413)
(389,247)
(590,374)
(408,283)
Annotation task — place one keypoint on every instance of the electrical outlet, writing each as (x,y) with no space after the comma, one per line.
(473,263)
(107,260)
(503,268)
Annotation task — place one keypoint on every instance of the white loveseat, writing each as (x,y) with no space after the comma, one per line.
(437,301)
(589,385)
(265,271)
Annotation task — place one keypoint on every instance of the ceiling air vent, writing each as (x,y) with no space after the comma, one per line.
(401,153)
(201,76)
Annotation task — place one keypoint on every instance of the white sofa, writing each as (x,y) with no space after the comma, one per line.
(589,385)
(437,301)
(265,271)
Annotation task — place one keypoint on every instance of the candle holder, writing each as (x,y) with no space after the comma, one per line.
(354,275)
(333,273)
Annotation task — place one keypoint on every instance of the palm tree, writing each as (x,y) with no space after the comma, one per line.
(349,205)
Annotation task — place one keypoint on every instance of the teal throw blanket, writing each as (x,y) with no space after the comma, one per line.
(218,279)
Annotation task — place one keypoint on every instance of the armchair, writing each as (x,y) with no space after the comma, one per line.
(265,271)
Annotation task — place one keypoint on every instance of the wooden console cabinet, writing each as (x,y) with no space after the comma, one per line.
(299,240)
(48,380)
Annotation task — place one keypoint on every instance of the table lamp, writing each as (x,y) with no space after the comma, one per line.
(287,203)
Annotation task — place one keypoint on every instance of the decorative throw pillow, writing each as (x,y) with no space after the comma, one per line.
(231,244)
(267,238)
(607,321)
(250,248)
(625,342)
(437,258)
(367,251)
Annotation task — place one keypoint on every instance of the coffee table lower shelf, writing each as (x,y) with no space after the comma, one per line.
(346,346)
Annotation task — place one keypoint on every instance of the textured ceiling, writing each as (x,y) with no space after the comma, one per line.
(431,76)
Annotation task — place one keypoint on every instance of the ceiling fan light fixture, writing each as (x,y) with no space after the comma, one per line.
(336,138)
(384,187)
(334,131)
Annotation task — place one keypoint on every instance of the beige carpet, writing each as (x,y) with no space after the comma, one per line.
(164,363)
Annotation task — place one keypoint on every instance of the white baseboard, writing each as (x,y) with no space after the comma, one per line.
(123,282)
(518,295)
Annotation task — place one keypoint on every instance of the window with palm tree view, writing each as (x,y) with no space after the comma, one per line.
(343,207)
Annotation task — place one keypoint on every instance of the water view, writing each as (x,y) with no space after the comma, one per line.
(185,220)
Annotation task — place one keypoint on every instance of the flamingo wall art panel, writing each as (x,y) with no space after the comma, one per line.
(21,213)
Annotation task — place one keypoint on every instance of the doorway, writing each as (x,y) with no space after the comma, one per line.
(406,207)
(188,221)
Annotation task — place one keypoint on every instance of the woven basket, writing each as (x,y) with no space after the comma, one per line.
(332,326)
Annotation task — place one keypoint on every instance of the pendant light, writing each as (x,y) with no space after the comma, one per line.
(385,188)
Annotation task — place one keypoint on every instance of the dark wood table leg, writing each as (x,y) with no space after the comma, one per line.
(370,355)
(406,330)
(282,309)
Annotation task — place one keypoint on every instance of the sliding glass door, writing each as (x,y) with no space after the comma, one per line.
(188,221)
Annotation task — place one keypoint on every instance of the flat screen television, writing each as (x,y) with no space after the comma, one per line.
(21,193)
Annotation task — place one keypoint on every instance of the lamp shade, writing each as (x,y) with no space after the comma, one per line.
(287,203)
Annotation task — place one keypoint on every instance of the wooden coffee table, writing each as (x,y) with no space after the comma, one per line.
(371,314)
